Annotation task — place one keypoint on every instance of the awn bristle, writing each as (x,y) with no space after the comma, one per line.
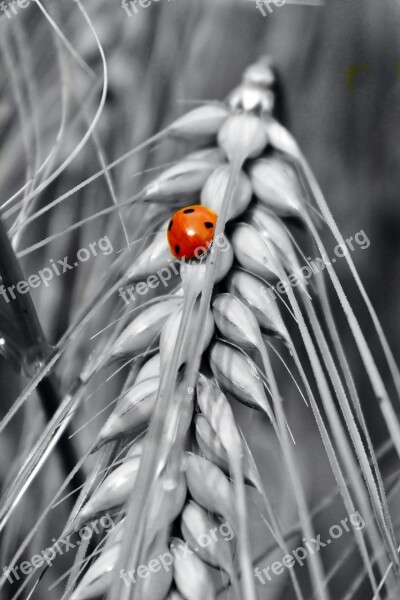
(253,175)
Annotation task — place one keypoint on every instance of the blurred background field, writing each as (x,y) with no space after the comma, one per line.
(160,62)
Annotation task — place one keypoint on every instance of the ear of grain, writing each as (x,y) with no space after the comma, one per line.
(169,336)
(194,275)
(275,185)
(214,190)
(212,156)
(132,413)
(275,233)
(154,584)
(97,579)
(153,258)
(260,73)
(216,551)
(252,254)
(168,499)
(150,369)
(216,408)
(143,331)
(182,181)
(242,133)
(113,491)
(162,393)
(215,405)
(238,375)
(250,99)
(200,123)
(191,576)
(236,321)
(209,444)
(280,138)
(263,305)
(174,595)
(209,487)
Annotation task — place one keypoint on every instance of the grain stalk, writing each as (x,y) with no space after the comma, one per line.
(205,336)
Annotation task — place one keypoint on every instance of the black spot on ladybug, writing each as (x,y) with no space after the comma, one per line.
(188,210)
(177,249)
(170,224)
(208,224)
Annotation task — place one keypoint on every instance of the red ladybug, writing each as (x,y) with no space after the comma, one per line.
(191,230)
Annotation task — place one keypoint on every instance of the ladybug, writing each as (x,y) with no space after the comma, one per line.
(191,230)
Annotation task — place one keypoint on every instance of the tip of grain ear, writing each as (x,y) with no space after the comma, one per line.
(243,136)
(200,122)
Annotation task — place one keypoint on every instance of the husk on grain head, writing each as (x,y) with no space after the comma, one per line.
(247,170)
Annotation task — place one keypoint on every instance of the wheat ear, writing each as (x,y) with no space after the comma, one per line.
(207,337)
